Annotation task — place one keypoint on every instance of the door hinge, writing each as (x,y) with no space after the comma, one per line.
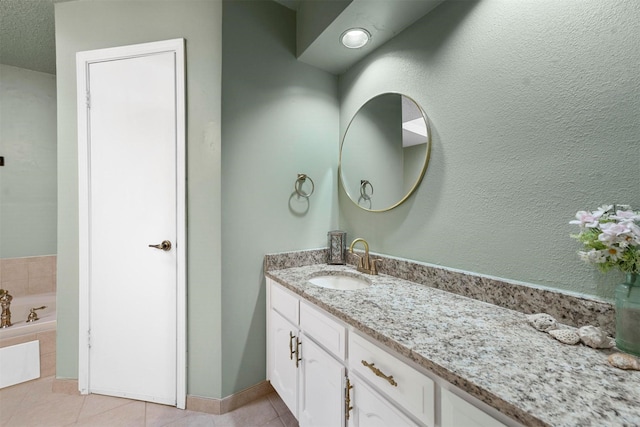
(88,99)
(89,338)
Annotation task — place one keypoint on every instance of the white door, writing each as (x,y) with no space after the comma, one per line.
(134,201)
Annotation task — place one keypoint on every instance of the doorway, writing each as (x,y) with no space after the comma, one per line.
(132,248)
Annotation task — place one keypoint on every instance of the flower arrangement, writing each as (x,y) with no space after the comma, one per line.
(611,237)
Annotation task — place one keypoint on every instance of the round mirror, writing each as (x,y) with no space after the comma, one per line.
(385,152)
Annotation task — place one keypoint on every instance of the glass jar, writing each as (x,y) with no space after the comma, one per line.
(628,315)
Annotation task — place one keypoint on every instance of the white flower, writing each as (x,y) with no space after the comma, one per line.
(610,231)
(585,219)
(625,216)
(613,253)
(602,210)
(611,237)
(593,256)
(634,231)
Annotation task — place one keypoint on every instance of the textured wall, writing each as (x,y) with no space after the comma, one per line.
(279,118)
(28,179)
(534,112)
(98,24)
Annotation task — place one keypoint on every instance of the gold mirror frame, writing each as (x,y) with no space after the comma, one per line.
(424,166)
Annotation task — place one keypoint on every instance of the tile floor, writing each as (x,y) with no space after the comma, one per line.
(34,404)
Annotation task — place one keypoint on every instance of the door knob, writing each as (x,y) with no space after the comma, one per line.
(165,246)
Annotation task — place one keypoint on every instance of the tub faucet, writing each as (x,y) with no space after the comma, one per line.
(33,316)
(365,264)
(5,303)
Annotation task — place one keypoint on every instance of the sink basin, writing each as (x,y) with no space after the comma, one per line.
(343,283)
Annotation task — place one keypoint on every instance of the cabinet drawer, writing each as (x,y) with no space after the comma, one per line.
(324,330)
(457,412)
(409,388)
(284,303)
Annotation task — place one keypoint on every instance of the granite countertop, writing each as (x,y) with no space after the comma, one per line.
(488,351)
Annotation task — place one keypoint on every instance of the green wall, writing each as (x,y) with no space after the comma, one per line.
(279,118)
(534,112)
(533,109)
(28,179)
(98,24)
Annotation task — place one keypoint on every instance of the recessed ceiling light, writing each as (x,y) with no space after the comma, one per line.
(355,38)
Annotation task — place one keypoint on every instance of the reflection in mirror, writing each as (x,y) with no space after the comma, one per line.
(385,152)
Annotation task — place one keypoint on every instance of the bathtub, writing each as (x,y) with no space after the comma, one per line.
(28,350)
(20,307)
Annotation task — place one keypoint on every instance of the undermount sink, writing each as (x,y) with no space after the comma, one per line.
(340,282)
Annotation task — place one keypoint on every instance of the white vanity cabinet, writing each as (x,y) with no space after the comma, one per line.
(330,375)
(309,379)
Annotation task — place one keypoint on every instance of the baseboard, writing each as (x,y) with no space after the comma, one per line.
(194,403)
(229,403)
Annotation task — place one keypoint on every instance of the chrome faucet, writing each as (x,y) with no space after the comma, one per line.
(5,303)
(365,264)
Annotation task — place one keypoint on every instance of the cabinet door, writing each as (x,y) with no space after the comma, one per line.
(372,410)
(457,412)
(321,387)
(283,370)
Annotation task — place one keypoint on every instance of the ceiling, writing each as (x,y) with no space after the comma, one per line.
(383,19)
(27,31)
(27,34)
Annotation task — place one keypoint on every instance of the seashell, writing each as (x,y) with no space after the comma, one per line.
(565,336)
(595,337)
(542,321)
(624,361)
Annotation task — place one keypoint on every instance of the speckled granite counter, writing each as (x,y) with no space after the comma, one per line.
(488,351)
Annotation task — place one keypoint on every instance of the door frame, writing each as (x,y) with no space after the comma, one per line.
(83,60)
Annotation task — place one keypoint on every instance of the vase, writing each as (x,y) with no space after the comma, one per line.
(628,315)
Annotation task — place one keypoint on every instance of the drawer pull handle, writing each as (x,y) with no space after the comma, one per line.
(347,400)
(298,358)
(291,350)
(379,373)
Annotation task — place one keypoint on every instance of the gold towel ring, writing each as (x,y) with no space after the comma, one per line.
(302,178)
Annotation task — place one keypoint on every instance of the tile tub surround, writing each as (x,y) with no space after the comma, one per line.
(573,310)
(28,275)
(488,351)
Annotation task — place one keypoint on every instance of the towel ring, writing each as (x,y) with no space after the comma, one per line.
(302,178)
(363,189)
